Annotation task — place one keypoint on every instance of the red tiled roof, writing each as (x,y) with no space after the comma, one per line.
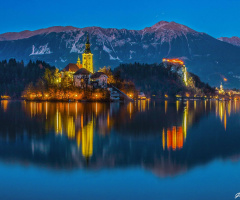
(97,74)
(82,71)
(71,67)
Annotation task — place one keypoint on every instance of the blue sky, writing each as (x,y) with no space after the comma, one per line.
(217,18)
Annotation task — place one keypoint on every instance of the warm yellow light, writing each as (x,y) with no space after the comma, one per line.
(5,97)
(176,60)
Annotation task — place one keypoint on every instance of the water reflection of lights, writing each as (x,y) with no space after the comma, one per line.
(174,138)
(166,105)
(185,118)
(177,105)
(130,109)
(74,119)
(4,105)
(46,111)
(87,140)
(223,110)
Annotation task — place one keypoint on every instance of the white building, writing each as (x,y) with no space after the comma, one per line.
(81,78)
(99,79)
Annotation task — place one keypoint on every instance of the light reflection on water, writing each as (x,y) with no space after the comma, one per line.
(165,138)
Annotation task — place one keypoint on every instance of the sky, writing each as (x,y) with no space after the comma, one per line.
(216,18)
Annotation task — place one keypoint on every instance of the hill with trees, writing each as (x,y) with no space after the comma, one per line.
(15,76)
(42,81)
(158,80)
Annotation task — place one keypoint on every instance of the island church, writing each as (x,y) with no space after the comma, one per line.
(83,74)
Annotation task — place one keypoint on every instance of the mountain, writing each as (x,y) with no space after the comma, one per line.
(28,34)
(233,40)
(208,57)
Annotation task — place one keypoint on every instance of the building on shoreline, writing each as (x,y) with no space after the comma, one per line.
(82,74)
(99,80)
(87,62)
(220,90)
(81,78)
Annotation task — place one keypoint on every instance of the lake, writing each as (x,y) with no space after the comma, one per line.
(138,150)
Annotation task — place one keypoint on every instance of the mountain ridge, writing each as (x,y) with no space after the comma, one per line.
(204,55)
(231,40)
(28,33)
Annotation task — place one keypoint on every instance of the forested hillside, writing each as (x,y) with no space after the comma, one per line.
(155,79)
(15,76)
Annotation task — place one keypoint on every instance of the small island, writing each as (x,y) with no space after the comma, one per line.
(38,81)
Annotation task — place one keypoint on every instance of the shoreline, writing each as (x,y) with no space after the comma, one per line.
(122,101)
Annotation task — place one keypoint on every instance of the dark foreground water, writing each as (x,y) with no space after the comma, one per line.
(141,150)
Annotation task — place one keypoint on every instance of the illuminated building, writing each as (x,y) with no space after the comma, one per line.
(81,78)
(87,57)
(141,95)
(178,66)
(69,70)
(87,63)
(175,60)
(79,63)
(220,90)
(72,68)
(6,97)
(99,80)
(84,73)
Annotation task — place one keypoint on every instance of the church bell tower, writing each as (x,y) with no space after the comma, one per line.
(79,63)
(87,57)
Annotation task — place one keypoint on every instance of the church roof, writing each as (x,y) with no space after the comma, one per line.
(82,71)
(71,67)
(97,74)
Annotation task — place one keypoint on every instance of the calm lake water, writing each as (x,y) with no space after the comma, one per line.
(140,150)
